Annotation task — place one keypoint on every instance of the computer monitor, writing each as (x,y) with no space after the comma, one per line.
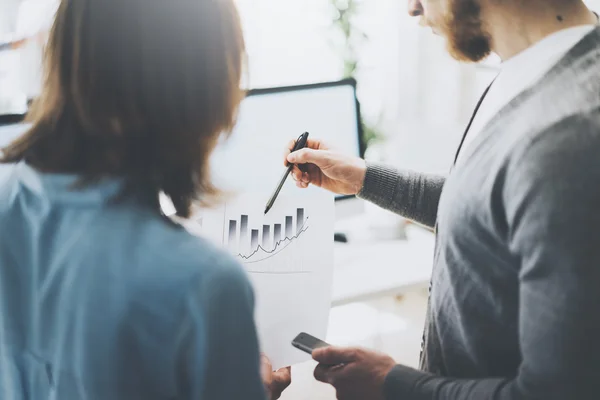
(251,158)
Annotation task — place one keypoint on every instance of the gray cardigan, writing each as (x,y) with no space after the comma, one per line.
(514,309)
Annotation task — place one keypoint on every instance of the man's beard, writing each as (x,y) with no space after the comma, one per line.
(467,39)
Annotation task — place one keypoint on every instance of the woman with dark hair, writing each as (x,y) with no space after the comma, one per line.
(102,296)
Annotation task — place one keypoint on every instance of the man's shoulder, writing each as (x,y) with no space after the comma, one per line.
(571,88)
(561,157)
(566,140)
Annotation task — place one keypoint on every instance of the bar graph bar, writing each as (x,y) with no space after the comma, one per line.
(232,232)
(289,227)
(254,239)
(276,234)
(266,241)
(243,230)
(268,248)
(265,236)
(299,220)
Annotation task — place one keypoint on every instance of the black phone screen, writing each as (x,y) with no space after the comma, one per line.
(308,343)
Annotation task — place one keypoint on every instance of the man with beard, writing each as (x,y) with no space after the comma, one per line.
(514,300)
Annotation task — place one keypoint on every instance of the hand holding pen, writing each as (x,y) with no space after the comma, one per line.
(326,168)
(316,164)
(299,144)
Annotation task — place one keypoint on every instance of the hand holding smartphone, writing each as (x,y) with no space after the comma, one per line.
(308,343)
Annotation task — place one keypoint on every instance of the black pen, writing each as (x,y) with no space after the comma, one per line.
(300,144)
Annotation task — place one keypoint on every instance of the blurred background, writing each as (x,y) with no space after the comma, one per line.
(415,103)
(412,93)
(410,90)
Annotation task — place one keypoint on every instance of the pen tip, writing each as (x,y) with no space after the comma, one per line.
(266,210)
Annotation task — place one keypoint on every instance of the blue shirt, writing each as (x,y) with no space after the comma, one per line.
(104,300)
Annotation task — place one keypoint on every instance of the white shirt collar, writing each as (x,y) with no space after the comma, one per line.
(521,72)
(547,51)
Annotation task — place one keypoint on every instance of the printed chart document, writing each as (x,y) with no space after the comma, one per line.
(288,255)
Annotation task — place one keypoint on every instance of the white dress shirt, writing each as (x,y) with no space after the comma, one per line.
(521,72)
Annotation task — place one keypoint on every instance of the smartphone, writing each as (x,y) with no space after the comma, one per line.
(308,343)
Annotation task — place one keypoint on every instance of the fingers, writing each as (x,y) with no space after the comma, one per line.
(283,377)
(316,144)
(304,156)
(302,178)
(297,174)
(266,369)
(311,144)
(328,373)
(287,151)
(335,355)
(321,373)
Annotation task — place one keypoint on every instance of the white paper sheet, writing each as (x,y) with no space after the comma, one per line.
(288,255)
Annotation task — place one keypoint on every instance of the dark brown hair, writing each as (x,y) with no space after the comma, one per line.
(140,90)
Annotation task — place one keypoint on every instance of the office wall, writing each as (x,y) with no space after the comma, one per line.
(9,75)
(20,71)
(8,11)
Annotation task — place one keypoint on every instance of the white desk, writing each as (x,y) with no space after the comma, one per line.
(366,268)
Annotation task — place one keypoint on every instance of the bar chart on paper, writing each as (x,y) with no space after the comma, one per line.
(288,256)
(269,247)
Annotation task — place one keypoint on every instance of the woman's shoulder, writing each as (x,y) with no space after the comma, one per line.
(175,251)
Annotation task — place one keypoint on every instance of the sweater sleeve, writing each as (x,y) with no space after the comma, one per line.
(551,200)
(412,195)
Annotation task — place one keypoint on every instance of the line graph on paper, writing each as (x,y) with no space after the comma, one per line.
(268,248)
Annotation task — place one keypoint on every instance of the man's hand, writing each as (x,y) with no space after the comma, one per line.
(356,374)
(325,168)
(275,382)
